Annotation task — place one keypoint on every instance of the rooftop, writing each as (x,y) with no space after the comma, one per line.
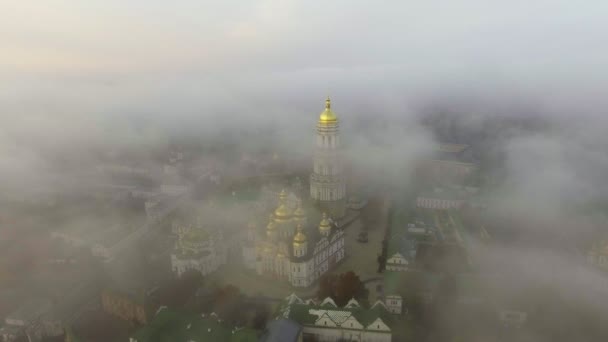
(309,312)
(170,326)
(282,330)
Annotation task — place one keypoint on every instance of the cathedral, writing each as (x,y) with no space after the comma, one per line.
(197,249)
(290,247)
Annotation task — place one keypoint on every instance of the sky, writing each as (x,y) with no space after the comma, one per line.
(112,74)
(76,75)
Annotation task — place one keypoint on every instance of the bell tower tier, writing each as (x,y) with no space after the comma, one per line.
(327,186)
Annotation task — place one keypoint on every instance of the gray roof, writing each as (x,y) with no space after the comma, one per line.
(281,330)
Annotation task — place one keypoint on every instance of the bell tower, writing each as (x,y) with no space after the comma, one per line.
(327,187)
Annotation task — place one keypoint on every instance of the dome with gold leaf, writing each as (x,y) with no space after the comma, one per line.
(271,228)
(324,225)
(299,213)
(600,248)
(300,237)
(282,212)
(328,116)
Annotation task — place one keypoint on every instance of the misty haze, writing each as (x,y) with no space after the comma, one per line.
(285,171)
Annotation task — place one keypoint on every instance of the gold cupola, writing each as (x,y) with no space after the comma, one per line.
(271,228)
(282,213)
(299,214)
(300,237)
(325,225)
(300,245)
(327,116)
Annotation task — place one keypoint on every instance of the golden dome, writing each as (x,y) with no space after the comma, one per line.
(325,225)
(299,212)
(280,254)
(268,249)
(300,237)
(600,248)
(282,212)
(271,226)
(328,116)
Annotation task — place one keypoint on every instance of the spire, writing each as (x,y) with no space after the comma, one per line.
(327,116)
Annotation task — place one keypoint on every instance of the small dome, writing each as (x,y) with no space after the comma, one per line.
(271,226)
(604,247)
(300,237)
(325,225)
(327,116)
(280,253)
(268,249)
(299,212)
(282,212)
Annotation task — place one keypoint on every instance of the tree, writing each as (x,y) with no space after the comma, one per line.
(227,304)
(381,263)
(341,288)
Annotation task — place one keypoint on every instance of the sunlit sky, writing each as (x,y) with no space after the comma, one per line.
(159,36)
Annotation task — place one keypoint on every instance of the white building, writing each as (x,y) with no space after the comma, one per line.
(328,322)
(327,184)
(397,262)
(198,249)
(598,254)
(394,304)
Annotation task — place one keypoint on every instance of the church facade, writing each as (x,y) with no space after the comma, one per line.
(290,249)
(197,249)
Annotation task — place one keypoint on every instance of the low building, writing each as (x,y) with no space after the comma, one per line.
(403,246)
(512,318)
(441,199)
(26,321)
(394,304)
(127,305)
(449,164)
(170,326)
(328,322)
(598,254)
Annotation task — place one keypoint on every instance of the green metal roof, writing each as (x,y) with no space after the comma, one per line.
(300,312)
